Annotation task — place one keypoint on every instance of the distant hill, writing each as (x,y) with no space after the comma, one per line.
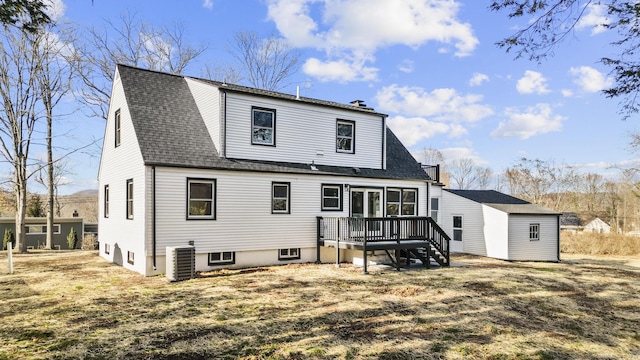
(85,202)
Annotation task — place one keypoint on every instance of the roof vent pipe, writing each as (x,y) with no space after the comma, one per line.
(297,92)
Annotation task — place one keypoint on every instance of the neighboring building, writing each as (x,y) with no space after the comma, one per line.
(36,231)
(493,224)
(597,225)
(244,174)
(570,222)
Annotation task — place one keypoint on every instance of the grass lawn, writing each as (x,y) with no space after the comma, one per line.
(74,305)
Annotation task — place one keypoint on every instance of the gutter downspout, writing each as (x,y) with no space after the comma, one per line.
(153,217)
(558,219)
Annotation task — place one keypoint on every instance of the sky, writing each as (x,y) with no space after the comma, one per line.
(431,65)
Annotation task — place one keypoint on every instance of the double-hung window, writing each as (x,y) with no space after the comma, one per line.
(106,201)
(201,199)
(457,227)
(534,232)
(409,201)
(435,206)
(280,198)
(331,197)
(263,126)
(117,126)
(345,136)
(130,199)
(402,202)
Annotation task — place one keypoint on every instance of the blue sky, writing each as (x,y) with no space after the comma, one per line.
(432,65)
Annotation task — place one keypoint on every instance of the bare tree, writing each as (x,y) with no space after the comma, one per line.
(463,173)
(54,79)
(484,176)
(267,62)
(128,42)
(19,94)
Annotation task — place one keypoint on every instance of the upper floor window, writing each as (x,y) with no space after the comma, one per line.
(345,136)
(106,201)
(201,199)
(331,197)
(130,199)
(263,126)
(280,198)
(117,127)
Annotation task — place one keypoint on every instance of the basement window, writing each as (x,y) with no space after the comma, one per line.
(534,232)
(222,258)
(289,254)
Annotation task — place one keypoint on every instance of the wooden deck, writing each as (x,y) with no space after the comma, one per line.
(411,237)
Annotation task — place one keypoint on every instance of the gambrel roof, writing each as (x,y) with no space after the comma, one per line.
(502,202)
(171,132)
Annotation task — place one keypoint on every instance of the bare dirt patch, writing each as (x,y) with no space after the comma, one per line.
(74,305)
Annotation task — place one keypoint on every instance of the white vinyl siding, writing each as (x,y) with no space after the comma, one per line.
(305,133)
(473,241)
(207,99)
(116,166)
(244,220)
(520,246)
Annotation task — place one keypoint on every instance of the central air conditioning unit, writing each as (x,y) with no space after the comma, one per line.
(181,263)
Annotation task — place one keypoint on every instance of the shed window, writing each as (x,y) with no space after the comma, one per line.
(534,232)
(263,126)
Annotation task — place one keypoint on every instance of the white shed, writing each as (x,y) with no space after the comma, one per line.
(493,224)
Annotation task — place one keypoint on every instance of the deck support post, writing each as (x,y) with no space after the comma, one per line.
(318,224)
(337,253)
(364,248)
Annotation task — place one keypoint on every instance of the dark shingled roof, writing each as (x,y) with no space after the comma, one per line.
(171,131)
(502,202)
(488,197)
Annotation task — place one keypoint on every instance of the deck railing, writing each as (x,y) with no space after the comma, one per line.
(374,229)
(433,171)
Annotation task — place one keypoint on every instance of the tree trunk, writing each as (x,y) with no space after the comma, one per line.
(50,174)
(20,189)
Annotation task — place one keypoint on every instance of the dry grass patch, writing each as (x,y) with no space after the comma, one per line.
(599,244)
(74,305)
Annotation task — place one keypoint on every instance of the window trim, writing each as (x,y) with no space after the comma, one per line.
(436,210)
(536,231)
(457,228)
(415,203)
(107,248)
(130,257)
(118,128)
(273,125)
(106,201)
(214,190)
(387,202)
(129,199)
(288,256)
(353,136)
(288,198)
(222,261)
(340,197)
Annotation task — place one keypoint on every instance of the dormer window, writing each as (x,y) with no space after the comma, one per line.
(263,126)
(345,136)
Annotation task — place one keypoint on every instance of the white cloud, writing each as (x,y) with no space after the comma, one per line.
(532,82)
(439,104)
(411,130)
(478,79)
(406,66)
(358,28)
(590,79)
(207,4)
(535,120)
(594,18)
(456,153)
(340,70)
(567,93)
(55,9)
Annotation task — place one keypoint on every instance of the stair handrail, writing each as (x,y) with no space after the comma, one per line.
(439,238)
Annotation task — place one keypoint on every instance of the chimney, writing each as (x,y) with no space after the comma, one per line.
(358,103)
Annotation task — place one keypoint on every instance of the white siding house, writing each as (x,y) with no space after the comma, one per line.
(241,174)
(492,224)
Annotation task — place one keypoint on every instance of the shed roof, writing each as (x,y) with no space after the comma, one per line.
(171,132)
(502,202)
